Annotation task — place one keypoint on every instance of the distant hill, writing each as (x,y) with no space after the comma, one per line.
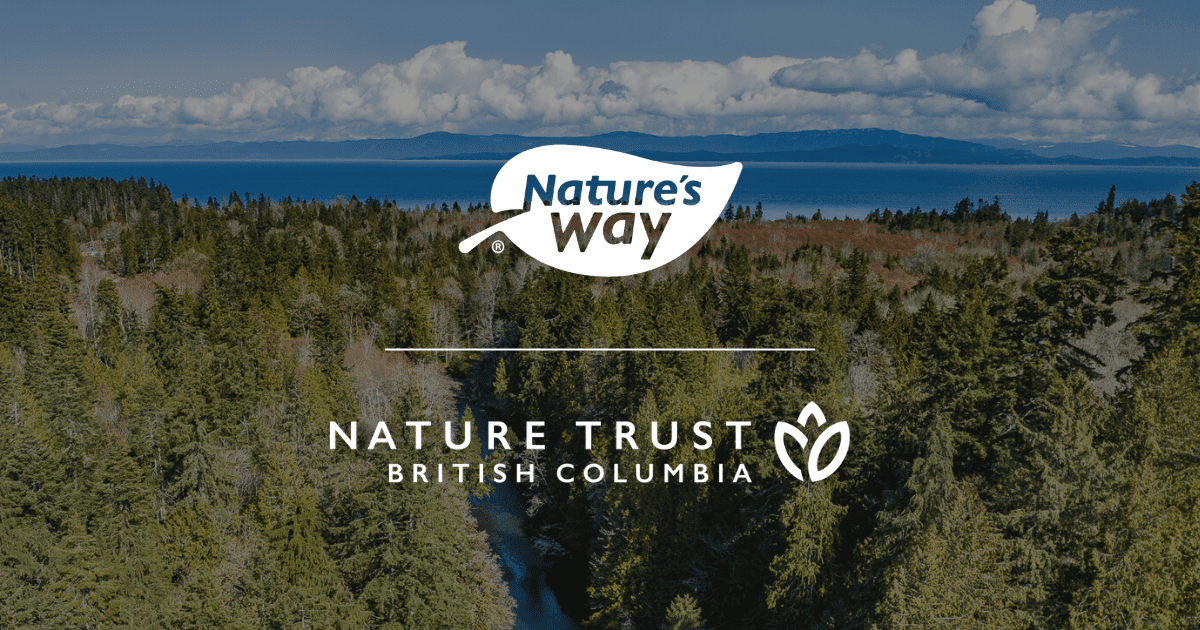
(1096,150)
(15,147)
(843,145)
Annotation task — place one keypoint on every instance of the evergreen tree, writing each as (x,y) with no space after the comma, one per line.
(1074,295)
(12,309)
(297,580)
(133,588)
(56,374)
(954,574)
(1066,491)
(1176,311)
(684,614)
(1146,571)
(207,605)
(811,522)
(27,538)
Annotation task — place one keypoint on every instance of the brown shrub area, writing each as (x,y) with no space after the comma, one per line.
(363,356)
(774,238)
(184,280)
(894,277)
(137,295)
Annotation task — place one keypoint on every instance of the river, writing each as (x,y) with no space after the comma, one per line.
(502,515)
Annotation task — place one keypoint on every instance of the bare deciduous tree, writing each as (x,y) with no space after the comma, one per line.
(87,311)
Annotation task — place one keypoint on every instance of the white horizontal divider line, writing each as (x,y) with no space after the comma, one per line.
(600,349)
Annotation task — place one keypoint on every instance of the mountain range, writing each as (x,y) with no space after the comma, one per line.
(843,145)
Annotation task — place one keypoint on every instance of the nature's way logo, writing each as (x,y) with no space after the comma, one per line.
(604,213)
(811,410)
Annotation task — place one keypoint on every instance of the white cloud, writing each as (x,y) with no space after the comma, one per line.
(1025,68)
(1005,16)
(1021,75)
(1019,63)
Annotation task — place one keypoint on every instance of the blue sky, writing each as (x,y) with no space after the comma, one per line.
(136,72)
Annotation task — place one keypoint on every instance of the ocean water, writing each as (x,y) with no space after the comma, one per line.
(838,190)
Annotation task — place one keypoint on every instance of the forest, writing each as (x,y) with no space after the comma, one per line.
(1023,399)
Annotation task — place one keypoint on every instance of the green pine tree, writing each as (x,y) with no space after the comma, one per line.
(955,574)
(684,614)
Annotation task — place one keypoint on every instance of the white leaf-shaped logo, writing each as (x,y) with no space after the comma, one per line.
(784,429)
(604,213)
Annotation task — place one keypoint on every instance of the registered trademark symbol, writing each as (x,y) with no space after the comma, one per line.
(497,246)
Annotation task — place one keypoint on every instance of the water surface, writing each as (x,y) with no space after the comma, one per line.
(800,188)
